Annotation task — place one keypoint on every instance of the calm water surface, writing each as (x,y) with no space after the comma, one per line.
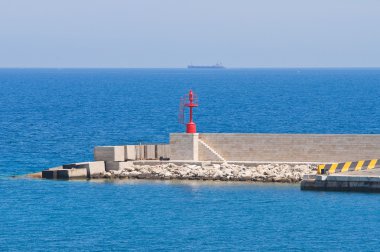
(50,117)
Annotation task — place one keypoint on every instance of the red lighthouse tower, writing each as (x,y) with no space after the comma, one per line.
(189,101)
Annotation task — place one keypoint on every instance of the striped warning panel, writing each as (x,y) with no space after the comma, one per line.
(348,166)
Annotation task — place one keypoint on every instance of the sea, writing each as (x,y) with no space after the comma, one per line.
(50,117)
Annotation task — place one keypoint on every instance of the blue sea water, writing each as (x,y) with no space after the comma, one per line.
(53,116)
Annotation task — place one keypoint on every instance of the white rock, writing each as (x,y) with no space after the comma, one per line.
(216,166)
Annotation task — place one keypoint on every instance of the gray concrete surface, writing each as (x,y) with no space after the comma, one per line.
(361,181)
(80,173)
(150,152)
(184,146)
(66,171)
(109,153)
(163,150)
(130,152)
(322,148)
(115,166)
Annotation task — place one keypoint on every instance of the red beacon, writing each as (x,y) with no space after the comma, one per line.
(189,101)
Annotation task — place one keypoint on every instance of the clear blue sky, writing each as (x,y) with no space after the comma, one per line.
(174,33)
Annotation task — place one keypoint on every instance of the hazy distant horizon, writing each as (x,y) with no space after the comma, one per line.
(185,67)
(174,34)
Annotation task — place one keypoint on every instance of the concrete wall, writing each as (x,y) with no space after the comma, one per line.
(277,147)
(293,147)
(131,152)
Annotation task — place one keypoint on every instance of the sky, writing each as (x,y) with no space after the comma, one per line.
(175,33)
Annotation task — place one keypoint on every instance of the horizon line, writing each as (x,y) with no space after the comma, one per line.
(226,68)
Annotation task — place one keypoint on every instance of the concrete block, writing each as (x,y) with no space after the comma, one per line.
(109,153)
(150,152)
(184,146)
(140,153)
(93,168)
(111,165)
(163,150)
(49,174)
(72,173)
(97,168)
(118,165)
(130,152)
(69,166)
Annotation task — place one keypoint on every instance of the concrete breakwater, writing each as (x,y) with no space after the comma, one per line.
(284,173)
(230,157)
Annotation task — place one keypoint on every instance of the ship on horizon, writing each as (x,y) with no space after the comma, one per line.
(216,66)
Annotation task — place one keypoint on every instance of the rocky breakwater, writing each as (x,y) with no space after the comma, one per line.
(284,173)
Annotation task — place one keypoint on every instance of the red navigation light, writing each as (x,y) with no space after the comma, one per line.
(192,102)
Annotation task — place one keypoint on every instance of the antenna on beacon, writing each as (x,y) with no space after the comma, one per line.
(191,101)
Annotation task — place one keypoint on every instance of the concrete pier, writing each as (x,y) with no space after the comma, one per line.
(360,181)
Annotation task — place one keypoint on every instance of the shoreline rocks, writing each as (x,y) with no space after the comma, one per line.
(282,173)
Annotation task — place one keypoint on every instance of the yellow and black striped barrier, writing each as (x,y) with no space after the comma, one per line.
(348,166)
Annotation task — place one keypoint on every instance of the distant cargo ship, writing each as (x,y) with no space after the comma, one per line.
(216,66)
